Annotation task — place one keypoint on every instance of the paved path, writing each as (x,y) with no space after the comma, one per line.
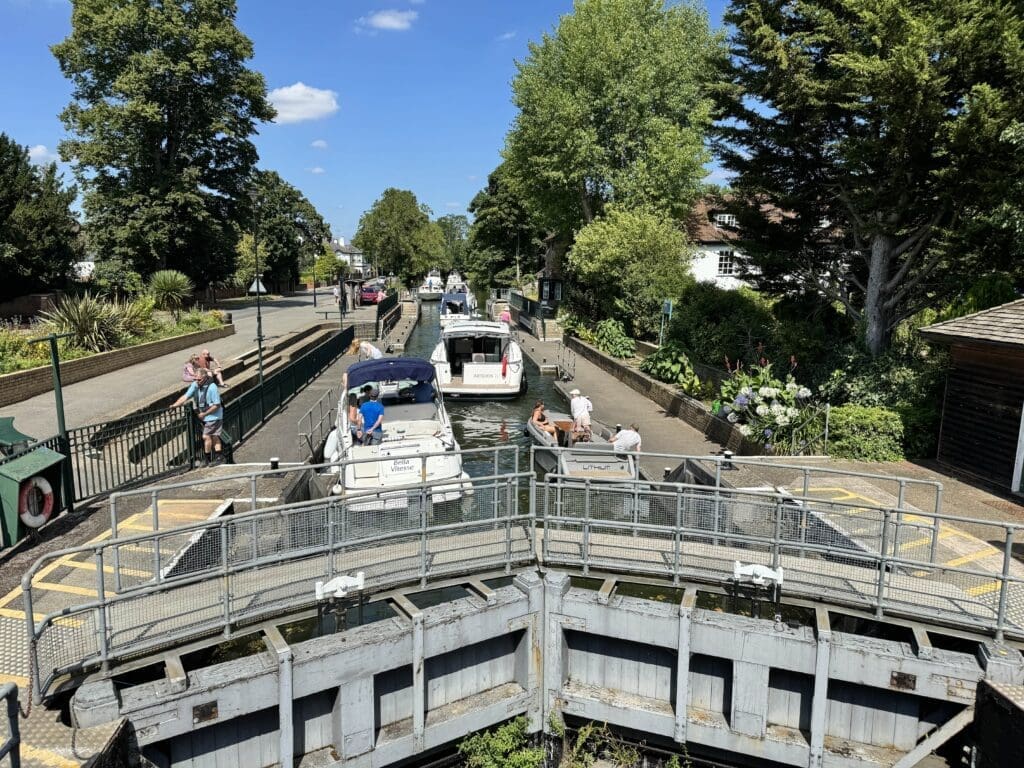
(90,401)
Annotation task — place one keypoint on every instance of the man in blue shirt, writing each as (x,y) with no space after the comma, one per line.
(209,410)
(371,413)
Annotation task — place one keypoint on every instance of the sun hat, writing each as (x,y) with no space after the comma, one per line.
(574,392)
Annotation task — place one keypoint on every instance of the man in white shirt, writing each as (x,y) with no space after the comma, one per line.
(580,407)
(626,440)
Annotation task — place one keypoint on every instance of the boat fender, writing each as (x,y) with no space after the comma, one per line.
(38,518)
(504,366)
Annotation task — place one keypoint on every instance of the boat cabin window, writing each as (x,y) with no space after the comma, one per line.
(455,307)
(480,349)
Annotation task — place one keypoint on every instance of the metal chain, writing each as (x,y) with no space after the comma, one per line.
(26,712)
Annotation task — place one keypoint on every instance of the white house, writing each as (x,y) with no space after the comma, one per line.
(350,255)
(717,259)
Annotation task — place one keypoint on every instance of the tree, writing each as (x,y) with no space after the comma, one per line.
(870,131)
(631,262)
(328,267)
(503,240)
(289,231)
(170,289)
(454,239)
(161,114)
(613,106)
(38,231)
(398,233)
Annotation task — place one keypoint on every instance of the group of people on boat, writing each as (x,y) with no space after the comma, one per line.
(580,407)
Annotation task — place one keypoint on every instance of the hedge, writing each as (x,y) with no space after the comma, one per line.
(865,433)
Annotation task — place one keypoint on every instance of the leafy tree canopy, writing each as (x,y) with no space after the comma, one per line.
(630,261)
(38,231)
(161,114)
(454,238)
(398,235)
(613,106)
(878,127)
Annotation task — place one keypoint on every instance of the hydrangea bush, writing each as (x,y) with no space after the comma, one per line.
(767,410)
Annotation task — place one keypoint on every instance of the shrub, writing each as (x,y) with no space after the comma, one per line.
(767,410)
(865,433)
(169,289)
(136,316)
(713,324)
(507,746)
(611,339)
(670,364)
(94,325)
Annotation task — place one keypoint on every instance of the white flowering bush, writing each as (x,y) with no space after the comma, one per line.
(765,409)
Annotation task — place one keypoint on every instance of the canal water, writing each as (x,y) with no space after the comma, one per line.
(483,424)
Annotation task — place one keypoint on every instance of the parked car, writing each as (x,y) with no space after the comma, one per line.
(371,294)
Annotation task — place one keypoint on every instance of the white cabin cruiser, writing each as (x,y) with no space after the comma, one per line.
(479,359)
(432,287)
(455,307)
(455,282)
(418,442)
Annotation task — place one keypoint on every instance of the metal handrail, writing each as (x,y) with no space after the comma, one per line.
(11,746)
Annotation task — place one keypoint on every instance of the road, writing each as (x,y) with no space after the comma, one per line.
(92,400)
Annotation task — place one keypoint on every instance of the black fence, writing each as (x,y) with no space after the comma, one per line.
(387,305)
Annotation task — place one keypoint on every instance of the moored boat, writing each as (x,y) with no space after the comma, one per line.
(455,307)
(479,359)
(432,287)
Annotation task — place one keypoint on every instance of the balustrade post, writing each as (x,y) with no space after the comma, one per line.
(1004,587)
(883,562)
(101,595)
(225,579)
(586,527)
(777,537)
(677,538)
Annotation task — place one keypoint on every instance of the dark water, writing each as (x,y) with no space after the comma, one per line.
(486,423)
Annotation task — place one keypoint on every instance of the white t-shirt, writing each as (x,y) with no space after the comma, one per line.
(627,440)
(580,407)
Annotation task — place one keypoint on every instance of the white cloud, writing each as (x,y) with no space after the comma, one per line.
(319,144)
(40,155)
(389,21)
(472,177)
(317,170)
(298,102)
(505,36)
(453,205)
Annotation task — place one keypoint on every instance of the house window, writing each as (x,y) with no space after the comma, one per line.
(725,219)
(726,263)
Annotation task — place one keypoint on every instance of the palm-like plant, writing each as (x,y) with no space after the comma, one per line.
(169,289)
(93,324)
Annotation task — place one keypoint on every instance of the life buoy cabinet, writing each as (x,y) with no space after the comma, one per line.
(29,512)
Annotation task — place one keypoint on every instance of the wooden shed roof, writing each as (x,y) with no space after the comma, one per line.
(1001,326)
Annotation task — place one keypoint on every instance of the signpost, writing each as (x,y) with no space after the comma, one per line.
(666,312)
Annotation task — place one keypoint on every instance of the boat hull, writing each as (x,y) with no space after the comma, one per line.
(429,295)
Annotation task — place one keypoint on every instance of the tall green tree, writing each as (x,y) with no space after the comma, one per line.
(455,240)
(613,106)
(162,111)
(398,235)
(38,231)
(288,232)
(503,239)
(878,127)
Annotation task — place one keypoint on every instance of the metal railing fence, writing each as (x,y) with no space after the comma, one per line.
(316,423)
(387,305)
(11,746)
(498,459)
(838,551)
(237,570)
(249,410)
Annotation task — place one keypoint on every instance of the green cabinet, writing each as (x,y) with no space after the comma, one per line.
(14,473)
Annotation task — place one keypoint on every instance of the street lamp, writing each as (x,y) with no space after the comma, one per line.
(257,283)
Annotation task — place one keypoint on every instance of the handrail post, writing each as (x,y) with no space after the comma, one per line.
(508,525)
(154,503)
(777,536)
(423,534)
(252,491)
(880,594)
(678,538)
(9,691)
(935,523)
(586,526)
(1004,587)
(718,496)
(102,623)
(33,650)
(226,579)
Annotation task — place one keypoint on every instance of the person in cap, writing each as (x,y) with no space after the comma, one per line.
(371,417)
(580,408)
(203,391)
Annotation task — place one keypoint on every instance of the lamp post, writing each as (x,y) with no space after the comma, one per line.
(62,429)
(257,283)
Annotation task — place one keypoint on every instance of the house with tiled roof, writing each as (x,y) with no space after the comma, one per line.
(714,231)
(982,429)
(350,255)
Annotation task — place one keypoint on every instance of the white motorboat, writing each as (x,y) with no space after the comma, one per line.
(418,445)
(593,459)
(455,282)
(455,307)
(479,359)
(432,287)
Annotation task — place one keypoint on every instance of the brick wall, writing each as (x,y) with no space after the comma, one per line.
(15,387)
(690,410)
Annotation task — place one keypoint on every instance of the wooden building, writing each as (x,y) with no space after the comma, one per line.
(982,432)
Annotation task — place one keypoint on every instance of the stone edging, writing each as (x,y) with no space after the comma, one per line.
(21,385)
(675,403)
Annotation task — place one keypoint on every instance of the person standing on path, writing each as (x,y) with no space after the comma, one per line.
(505,317)
(337,295)
(209,411)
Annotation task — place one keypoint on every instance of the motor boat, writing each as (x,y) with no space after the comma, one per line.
(432,287)
(579,457)
(418,445)
(479,359)
(455,307)
(455,283)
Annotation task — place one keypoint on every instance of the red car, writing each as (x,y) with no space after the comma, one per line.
(371,294)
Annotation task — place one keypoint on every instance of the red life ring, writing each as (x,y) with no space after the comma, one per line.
(504,365)
(35,518)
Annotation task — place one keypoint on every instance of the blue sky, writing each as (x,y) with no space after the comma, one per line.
(372,93)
